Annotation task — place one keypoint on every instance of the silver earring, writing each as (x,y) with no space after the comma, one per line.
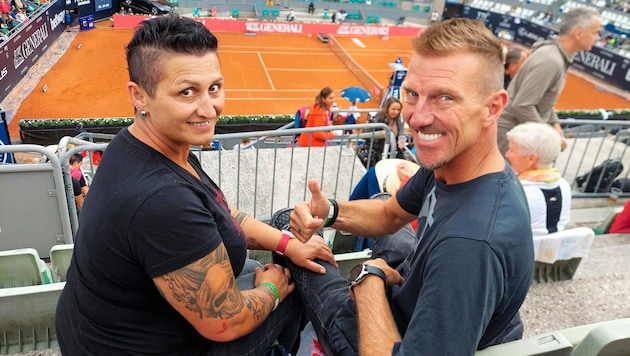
(143,115)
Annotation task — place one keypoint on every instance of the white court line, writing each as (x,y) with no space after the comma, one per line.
(266,71)
(358,42)
(293,53)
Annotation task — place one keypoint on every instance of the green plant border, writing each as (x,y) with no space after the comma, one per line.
(126,121)
(596,113)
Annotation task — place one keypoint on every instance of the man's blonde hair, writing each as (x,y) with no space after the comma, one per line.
(460,35)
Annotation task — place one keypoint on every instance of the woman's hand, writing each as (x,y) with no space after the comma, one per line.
(304,254)
(278,276)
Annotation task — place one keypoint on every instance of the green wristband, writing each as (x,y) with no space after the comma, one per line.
(275,293)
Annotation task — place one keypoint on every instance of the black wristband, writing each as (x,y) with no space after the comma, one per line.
(331,219)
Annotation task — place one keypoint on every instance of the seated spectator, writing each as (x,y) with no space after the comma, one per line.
(291,15)
(21,16)
(390,115)
(532,149)
(75,162)
(78,195)
(245,144)
(387,176)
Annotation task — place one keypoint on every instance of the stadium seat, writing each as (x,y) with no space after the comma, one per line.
(558,255)
(60,256)
(356,15)
(22,268)
(369,19)
(275,12)
(377,19)
(265,12)
(416,7)
(235,13)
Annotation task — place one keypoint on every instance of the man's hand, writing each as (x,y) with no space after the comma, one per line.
(563,141)
(308,217)
(304,254)
(393,277)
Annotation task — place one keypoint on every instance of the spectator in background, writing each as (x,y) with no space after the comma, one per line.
(78,195)
(21,16)
(75,162)
(621,224)
(311,8)
(514,59)
(391,116)
(538,84)
(319,115)
(245,144)
(533,147)
(5,7)
(291,15)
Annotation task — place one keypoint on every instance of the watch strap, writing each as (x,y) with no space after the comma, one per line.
(284,241)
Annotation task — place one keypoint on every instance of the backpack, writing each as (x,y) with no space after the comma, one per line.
(300,117)
(601,177)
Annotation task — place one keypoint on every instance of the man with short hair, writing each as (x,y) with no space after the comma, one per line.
(514,59)
(457,283)
(538,84)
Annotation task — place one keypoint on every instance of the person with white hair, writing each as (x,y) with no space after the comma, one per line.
(533,147)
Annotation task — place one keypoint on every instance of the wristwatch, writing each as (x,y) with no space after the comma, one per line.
(360,271)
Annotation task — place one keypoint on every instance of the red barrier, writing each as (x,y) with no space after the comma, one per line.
(131,21)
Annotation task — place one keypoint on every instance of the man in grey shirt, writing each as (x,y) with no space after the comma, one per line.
(536,87)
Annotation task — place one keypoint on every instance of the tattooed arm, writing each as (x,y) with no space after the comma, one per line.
(261,236)
(206,294)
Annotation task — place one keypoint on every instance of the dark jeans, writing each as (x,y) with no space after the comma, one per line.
(326,298)
(283,324)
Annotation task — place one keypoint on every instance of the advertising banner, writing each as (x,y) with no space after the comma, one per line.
(102,5)
(24,48)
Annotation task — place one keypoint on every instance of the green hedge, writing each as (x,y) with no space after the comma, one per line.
(126,121)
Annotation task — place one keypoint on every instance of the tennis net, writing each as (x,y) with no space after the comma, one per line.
(368,82)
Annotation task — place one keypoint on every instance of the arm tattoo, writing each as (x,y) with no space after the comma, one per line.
(252,243)
(197,286)
(240,217)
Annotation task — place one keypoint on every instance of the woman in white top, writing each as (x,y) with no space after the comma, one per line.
(533,148)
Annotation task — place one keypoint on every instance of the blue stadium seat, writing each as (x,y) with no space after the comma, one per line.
(275,12)
(265,12)
(235,13)
(369,19)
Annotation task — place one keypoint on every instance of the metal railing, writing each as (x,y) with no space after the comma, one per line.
(275,174)
(589,144)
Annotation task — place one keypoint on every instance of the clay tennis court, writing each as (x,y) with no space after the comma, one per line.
(264,74)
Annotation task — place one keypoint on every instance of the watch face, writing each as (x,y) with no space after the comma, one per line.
(354,273)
